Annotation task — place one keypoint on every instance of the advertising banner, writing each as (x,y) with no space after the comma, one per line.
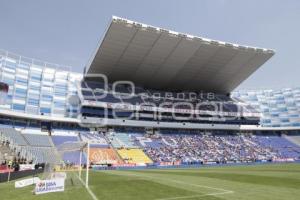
(47,186)
(26,182)
(24,167)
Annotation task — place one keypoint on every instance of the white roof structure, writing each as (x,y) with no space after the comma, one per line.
(162,59)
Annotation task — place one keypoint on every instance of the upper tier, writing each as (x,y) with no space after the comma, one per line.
(98,94)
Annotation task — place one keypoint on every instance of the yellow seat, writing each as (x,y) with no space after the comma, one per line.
(136,156)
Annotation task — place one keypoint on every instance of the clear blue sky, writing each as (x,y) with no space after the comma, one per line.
(67,31)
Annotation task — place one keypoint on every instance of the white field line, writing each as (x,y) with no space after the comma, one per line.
(88,189)
(222,191)
(176,181)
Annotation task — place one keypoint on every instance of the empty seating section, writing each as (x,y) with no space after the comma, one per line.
(121,140)
(95,139)
(104,156)
(73,157)
(95,91)
(130,130)
(39,148)
(134,156)
(33,147)
(42,154)
(230,107)
(92,85)
(38,140)
(133,100)
(285,148)
(88,95)
(107,97)
(60,139)
(31,131)
(12,135)
(164,104)
(122,89)
(295,139)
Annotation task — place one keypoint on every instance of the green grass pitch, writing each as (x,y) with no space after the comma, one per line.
(259,182)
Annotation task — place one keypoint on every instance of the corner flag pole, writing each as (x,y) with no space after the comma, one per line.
(87,165)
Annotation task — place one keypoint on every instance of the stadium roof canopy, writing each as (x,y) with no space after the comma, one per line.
(162,59)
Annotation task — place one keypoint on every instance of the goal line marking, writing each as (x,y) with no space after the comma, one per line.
(87,188)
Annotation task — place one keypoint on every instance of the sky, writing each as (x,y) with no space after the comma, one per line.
(67,32)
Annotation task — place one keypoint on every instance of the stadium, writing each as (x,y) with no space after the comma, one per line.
(154,115)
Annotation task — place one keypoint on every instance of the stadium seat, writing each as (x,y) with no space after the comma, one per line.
(104,156)
(38,140)
(135,156)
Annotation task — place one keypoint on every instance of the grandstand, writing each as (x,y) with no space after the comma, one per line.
(174,109)
(165,147)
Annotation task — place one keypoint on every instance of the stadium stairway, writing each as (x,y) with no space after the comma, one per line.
(113,148)
(13,136)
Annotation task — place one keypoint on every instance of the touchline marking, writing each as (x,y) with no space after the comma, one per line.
(88,189)
(196,185)
(176,181)
(194,196)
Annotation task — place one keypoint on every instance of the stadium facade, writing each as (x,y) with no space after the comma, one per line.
(150,59)
(43,89)
(279,107)
(141,85)
(154,61)
(37,88)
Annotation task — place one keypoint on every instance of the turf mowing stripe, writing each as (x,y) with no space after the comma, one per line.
(194,196)
(175,181)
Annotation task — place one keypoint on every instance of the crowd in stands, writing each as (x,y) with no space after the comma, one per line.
(207,148)
(136,146)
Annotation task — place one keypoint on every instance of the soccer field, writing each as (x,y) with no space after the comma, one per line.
(231,182)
